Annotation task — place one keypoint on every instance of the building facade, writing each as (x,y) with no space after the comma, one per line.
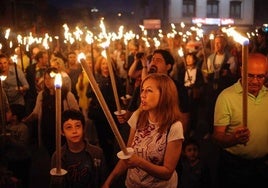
(212,12)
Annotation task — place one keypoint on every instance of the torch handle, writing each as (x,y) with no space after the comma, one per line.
(104,106)
(110,67)
(245,84)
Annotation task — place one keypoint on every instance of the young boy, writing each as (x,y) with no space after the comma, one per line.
(18,153)
(194,172)
(18,129)
(84,162)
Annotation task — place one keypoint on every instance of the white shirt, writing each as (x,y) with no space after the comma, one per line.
(149,144)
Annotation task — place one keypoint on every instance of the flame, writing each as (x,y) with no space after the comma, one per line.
(180,52)
(3,77)
(236,36)
(7,33)
(58,80)
(211,36)
(14,58)
(19,38)
(81,56)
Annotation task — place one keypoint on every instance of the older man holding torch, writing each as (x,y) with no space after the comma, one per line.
(244,156)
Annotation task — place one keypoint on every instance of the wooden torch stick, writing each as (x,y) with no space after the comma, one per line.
(58,172)
(15,61)
(102,102)
(58,84)
(2,107)
(244,42)
(21,59)
(111,72)
(245,83)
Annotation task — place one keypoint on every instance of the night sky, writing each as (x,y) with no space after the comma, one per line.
(99,4)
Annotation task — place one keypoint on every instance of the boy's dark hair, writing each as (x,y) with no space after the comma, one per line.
(72,114)
(190,141)
(18,110)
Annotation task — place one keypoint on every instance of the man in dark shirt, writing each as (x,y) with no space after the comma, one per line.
(162,62)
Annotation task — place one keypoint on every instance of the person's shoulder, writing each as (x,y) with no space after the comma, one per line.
(228,53)
(94,147)
(11,68)
(234,88)
(70,94)
(212,55)
(94,150)
(40,95)
(64,74)
(30,68)
(176,82)
(134,118)
(176,131)
(79,66)
(41,92)
(98,76)
(176,125)
(231,91)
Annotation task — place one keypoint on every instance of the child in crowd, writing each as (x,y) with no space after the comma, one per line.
(194,172)
(84,162)
(19,130)
(17,150)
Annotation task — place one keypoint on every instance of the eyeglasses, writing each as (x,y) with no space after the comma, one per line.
(259,77)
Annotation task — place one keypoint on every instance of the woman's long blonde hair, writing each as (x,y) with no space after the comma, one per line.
(167,110)
(98,65)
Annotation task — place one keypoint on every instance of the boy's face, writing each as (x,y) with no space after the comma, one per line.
(191,152)
(73,131)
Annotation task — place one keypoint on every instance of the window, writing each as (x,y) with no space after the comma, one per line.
(235,9)
(212,9)
(188,8)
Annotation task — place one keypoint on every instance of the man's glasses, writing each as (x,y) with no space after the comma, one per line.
(259,77)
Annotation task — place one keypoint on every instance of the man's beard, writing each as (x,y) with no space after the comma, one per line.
(153,69)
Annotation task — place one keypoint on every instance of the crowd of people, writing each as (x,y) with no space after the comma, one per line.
(172,103)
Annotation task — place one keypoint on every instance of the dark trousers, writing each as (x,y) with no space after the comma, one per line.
(239,172)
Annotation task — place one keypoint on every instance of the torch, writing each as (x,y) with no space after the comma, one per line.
(58,172)
(181,54)
(2,106)
(105,45)
(125,152)
(15,61)
(113,82)
(244,42)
